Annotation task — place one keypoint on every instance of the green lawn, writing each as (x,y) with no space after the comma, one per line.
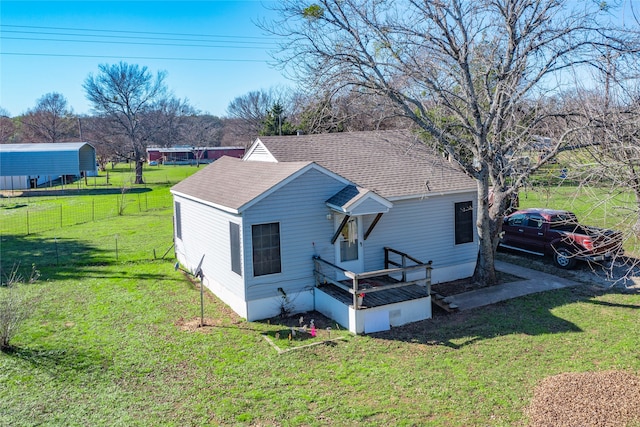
(105,346)
(107,195)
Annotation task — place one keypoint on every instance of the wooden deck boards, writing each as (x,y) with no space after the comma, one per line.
(378,298)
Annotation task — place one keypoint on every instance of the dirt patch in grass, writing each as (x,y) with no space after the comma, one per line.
(586,399)
(192,325)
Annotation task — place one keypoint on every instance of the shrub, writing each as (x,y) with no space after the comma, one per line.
(15,305)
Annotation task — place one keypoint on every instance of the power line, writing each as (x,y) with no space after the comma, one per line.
(131,57)
(131,32)
(128,37)
(129,43)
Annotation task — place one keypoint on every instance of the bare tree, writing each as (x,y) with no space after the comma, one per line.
(611,159)
(251,109)
(126,94)
(348,112)
(164,120)
(199,131)
(110,145)
(472,75)
(7,127)
(51,120)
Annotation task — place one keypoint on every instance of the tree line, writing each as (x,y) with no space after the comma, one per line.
(134,109)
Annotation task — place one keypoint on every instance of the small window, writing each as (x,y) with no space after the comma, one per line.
(234,238)
(349,241)
(464,222)
(266,249)
(178,221)
(534,221)
(516,220)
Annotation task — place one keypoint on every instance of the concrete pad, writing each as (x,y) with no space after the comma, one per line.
(534,281)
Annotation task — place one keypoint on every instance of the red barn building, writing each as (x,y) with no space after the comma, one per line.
(185,155)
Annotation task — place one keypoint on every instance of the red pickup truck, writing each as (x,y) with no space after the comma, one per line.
(559,234)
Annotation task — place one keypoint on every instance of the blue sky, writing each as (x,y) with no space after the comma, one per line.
(211,50)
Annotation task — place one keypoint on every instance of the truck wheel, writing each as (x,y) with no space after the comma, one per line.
(563,258)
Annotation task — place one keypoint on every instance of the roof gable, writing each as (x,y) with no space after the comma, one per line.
(393,164)
(258,152)
(234,185)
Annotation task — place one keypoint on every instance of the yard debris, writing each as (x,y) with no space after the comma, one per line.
(608,398)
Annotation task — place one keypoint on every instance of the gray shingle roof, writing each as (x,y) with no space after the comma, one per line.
(393,164)
(233,183)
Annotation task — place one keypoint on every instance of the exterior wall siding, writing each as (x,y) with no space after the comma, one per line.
(205,231)
(305,231)
(423,229)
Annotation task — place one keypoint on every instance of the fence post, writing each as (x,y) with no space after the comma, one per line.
(28,221)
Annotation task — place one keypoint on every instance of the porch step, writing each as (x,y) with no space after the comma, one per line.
(444,303)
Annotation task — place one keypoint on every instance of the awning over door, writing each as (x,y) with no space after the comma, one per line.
(353,200)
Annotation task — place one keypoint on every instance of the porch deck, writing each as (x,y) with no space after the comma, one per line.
(387,301)
(378,298)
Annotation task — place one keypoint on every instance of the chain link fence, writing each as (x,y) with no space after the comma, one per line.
(22,217)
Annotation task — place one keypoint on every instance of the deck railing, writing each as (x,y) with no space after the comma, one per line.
(402,268)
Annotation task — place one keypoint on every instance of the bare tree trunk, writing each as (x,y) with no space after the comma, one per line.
(139,164)
(485,273)
(636,226)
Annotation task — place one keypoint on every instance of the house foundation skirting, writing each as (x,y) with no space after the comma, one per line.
(453,272)
(372,319)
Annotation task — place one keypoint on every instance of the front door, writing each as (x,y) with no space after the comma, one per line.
(348,245)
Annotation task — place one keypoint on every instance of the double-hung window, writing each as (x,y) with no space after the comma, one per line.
(266,248)
(178,221)
(464,222)
(234,239)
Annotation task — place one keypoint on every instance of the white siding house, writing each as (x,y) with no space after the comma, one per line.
(300,221)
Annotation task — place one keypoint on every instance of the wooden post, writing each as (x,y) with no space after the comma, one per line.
(404,265)
(355,293)
(429,277)
(386,258)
